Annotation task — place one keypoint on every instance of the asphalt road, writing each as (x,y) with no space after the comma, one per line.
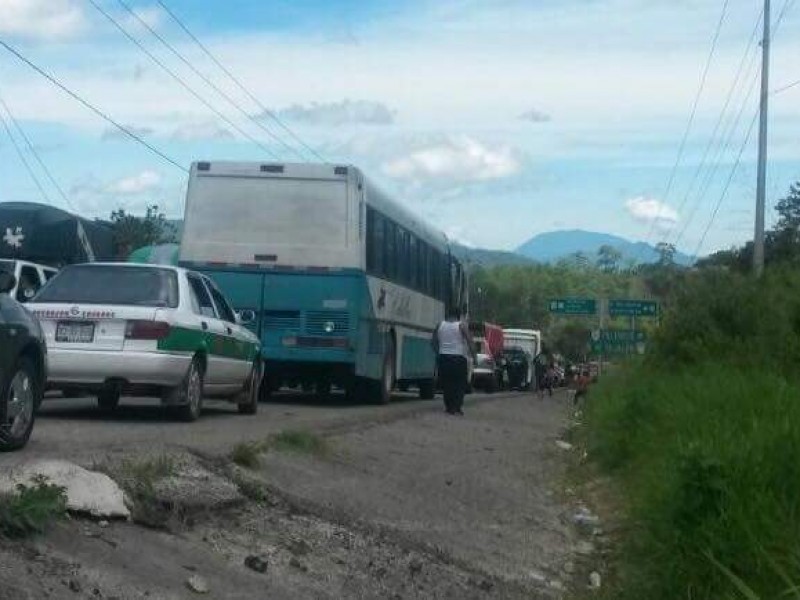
(76,429)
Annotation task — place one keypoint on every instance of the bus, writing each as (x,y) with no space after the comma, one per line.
(342,283)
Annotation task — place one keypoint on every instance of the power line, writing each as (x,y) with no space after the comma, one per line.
(36,155)
(692,114)
(180,81)
(208,81)
(786,6)
(713,139)
(238,82)
(727,187)
(786,88)
(91,107)
(722,148)
(24,161)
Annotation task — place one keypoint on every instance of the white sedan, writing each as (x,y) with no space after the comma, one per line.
(145,330)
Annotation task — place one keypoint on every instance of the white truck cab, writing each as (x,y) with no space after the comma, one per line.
(30,277)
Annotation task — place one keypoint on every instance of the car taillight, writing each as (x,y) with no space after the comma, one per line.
(146,330)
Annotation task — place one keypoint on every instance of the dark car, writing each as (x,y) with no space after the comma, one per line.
(23,368)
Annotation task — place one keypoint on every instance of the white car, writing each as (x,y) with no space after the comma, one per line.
(147,330)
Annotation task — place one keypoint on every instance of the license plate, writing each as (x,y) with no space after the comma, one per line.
(75,333)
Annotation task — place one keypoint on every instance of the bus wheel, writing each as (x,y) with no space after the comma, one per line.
(427,389)
(323,389)
(386,383)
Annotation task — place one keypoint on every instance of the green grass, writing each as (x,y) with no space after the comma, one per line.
(247,454)
(708,460)
(299,441)
(32,508)
(138,478)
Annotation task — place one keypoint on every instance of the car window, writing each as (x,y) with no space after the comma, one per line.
(28,284)
(223,308)
(201,300)
(7,266)
(112,284)
(49,274)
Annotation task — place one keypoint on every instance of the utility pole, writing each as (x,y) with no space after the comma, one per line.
(761,184)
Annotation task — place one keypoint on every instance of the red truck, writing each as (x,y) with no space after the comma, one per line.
(487,374)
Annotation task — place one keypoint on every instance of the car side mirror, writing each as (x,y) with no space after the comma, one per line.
(7,282)
(246,317)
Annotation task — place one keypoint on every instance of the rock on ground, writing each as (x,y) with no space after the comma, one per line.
(87,491)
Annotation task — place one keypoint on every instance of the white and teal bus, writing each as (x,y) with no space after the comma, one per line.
(344,284)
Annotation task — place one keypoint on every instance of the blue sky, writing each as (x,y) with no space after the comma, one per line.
(496,120)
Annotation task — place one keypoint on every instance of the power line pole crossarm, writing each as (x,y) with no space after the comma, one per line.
(761,184)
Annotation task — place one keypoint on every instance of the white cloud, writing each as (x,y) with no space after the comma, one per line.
(340,113)
(146,181)
(535,116)
(201,130)
(114,134)
(151,15)
(41,19)
(652,211)
(456,159)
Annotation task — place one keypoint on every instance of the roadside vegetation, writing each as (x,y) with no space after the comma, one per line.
(138,478)
(32,508)
(702,438)
(248,454)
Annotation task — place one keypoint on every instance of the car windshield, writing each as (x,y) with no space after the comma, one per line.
(7,266)
(118,285)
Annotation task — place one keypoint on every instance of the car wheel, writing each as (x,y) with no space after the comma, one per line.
(191,393)
(248,401)
(108,399)
(19,400)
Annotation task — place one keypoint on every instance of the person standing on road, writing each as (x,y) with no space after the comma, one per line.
(540,372)
(453,345)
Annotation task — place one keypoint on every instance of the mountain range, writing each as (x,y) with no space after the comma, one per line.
(548,247)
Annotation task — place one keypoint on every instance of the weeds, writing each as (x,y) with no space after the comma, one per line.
(708,459)
(32,508)
(300,442)
(139,478)
(247,454)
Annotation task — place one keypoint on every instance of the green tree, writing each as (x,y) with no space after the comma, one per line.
(666,254)
(608,258)
(132,232)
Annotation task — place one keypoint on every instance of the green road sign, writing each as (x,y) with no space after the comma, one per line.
(618,335)
(573,306)
(632,308)
(617,341)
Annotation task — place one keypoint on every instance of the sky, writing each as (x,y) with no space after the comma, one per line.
(494,119)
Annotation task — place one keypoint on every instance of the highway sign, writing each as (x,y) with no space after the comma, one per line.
(617,341)
(618,336)
(632,308)
(573,306)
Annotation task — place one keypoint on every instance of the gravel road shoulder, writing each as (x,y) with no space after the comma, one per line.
(423,506)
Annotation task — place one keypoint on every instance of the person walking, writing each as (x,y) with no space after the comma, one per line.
(540,372)
(453,345)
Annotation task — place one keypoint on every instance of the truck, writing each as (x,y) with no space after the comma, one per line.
(36,240)
(488,373)
(521,347)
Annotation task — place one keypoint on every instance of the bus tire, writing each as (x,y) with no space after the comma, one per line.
(427,389)
(322,389)
(385,384)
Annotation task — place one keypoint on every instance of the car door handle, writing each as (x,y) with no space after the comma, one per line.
(204,325)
